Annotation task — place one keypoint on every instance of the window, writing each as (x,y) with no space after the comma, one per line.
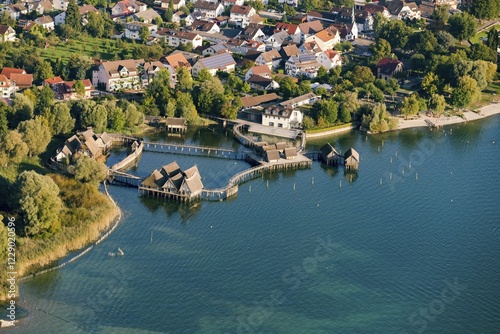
(280,125)
(271,123)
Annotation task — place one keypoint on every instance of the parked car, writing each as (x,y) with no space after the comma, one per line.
(366,54)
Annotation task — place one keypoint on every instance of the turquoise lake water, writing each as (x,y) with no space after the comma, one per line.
(384,252)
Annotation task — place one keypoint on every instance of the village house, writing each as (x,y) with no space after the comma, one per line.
(7,88)
(293,3)
(289,51)
(209,9)
(364,20)
(271,58)
(325,17)
(127,7)
(117,75)
(253,101)
(7,34)
(262,70)
(172,63)
(303,65)
(175,38)
(276,40)
(60,5)
(147,16)
(227,3)
(290,153)
(428,7)
(177,4)
(171,181)
(223,62)
(282,117)
(46,22)
(308,29)
(310,48)
(240,15)
(255,46)
(261,83)
(53,82)
(252,33)
(72,146)
(83,10)
(67,90)
(16,10)
(151,69)
(215,49)
(205,26)
(326,38)
(133,29)
(351,159)
(329,59)
(272,156)
(40,7)
(388,67)
(180,16)
(293,31)
(309,98)
(19,77)
(329,155)
(401,10)
(374,8)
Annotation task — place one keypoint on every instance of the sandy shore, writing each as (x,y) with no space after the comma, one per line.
(426,121)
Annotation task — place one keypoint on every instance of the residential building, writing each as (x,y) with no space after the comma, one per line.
(304,65)
(293,3)
(18,77)
(292,29)
(262,70)
(309,28)
(177,4)
(325,17)
(271,58)
(151,69)
(173,63)
(276,40)
(175,38)
(133,29)
(60,5)
(147,16)
(223,62)
(180,16)
(253,101)
(401,10)
(72,146)
(326,38)
(117,75)
(67,90)
(84,10)
(252,32)
(374,8)
(205,26)
(282,117)
(7,34)
(261,83)
(215,49)
(208,9)
(388,67)
(16,10)
(289,51)
(329,59)
(310,48)
(46,22)
(240,15)
(309,98)
(7,88)
(127,7)
(427,7)
(227,3)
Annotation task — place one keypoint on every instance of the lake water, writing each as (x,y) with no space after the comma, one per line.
(308,251)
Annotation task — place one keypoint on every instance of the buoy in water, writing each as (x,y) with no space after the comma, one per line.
(120,252)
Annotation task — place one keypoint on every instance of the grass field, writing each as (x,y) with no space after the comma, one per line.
(102,48)
(477,38)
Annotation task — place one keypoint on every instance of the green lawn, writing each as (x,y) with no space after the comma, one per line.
(103,48)
(477,38)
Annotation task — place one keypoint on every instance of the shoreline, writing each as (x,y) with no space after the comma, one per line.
(426,121)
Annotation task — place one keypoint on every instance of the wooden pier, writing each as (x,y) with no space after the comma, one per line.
(200,151)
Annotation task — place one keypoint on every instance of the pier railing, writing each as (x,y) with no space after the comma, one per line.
(204,151)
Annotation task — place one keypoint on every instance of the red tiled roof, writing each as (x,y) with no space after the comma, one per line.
(8,71)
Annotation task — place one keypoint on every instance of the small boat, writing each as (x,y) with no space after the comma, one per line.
(120,252)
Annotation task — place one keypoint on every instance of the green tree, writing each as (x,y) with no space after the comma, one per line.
(89,170)
(349,104)
(211,93)
(445,41)
(43,71)
(288,88)
(466,92)
(79,88)
(73,16)
(492,39)
(39,204)
(44,100)
(22,110)
(35,134)
(186,107)
(133,116)
(3,118)
(12,148)
(230,106)
(430,83)
(396,32)
(184,79)
(409,106)
(144,34)
(116,119)
(437,104)
(391,87)
(486,9)
(462,26)
(361,75)
(480,51)
(440,16)
(159,90)
(95,24)
(381,49)
(95,116)
(204,75)
(377,119)
(325,112)
(60,120)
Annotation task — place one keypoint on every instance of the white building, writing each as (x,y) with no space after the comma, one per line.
(326,38)
(120,74)
(282,117)
(133,29)
(175,38)
(7,34)
(240,15)
(223,62)
(303,65)
(329,59)
(209,9)
(7,88)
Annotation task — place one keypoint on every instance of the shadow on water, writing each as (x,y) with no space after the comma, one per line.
(186,210)
(351,176)
(331,171)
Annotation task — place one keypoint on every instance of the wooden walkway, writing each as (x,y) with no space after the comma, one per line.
(200,151)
